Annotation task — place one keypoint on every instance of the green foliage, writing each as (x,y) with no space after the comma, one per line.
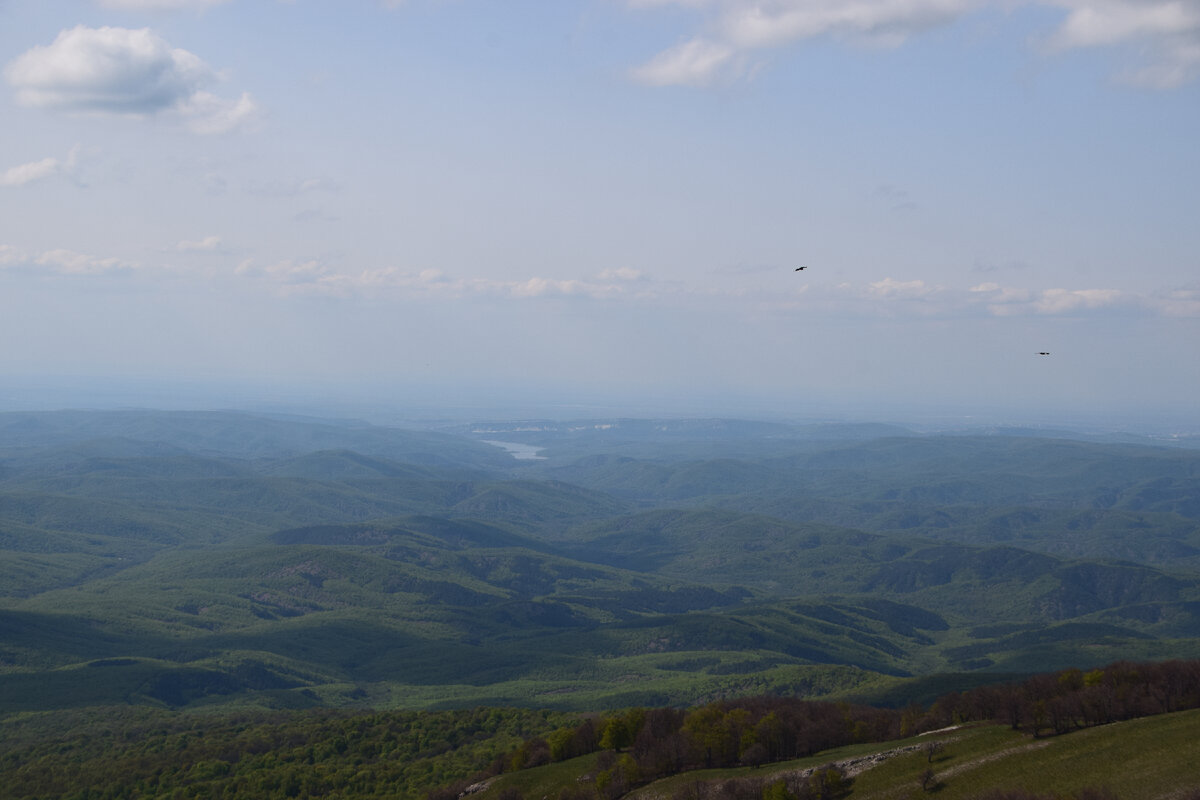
(124,752)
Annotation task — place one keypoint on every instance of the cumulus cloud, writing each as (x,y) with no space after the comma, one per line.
(38,170)
(733,32)
(124,71)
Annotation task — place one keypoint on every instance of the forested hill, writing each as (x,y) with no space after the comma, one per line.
(184,560)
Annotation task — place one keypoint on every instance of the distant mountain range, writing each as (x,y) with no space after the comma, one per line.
(183,559)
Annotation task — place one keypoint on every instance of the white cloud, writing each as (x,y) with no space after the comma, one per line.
(68,262)
(772,24)
(737,28)
(123,71)
(1099,22)
(206,245)
(205,113)
(317,277)
(28,173)
(999,298)
(60,262)
(1065,301)
(113,70)
(916,298)
(545,287)
(622,274)
(286,271)
(1005,301)
(37,170)
(732,31)
(1167,31)
(695,63)
(903,290)
(1182,301)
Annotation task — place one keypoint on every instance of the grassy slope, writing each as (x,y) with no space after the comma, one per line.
(1154,758)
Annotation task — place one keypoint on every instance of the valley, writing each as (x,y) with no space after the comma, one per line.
(188,560)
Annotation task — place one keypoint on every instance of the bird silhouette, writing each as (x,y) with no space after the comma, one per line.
(800,268)
(1043,354)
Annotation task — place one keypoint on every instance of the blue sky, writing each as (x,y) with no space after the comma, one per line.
(461,200)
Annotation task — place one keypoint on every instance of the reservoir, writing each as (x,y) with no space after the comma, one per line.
(523,452)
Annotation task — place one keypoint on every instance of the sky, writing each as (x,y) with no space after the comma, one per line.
(603,203)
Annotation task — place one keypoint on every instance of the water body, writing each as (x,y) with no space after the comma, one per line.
(522,452)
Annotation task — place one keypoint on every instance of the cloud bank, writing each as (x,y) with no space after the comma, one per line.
(888,297)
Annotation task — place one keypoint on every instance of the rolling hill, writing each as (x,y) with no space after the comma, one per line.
(193,559)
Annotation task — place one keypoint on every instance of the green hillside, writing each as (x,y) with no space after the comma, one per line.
(199,559)
(753,748)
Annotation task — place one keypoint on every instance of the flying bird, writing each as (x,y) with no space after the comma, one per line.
(1043,354)
(800,268)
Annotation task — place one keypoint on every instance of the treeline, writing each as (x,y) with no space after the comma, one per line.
(1061,702)
(640,745)
(653,743)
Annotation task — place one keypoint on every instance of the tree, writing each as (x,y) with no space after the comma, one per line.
(616,734)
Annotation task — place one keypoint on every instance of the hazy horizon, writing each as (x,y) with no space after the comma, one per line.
(601,204)
(433,406)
